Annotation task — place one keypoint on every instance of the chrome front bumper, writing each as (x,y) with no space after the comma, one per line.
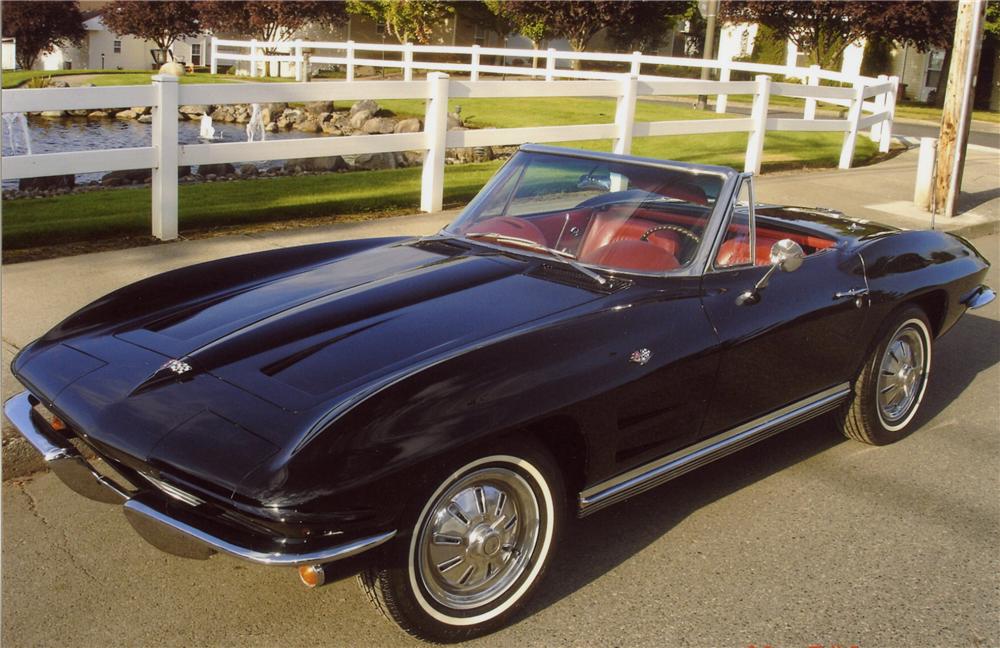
(979,297)
(171,532)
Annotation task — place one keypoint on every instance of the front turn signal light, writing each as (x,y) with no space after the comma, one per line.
(312,575)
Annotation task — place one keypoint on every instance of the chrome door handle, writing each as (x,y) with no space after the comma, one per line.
(853,292)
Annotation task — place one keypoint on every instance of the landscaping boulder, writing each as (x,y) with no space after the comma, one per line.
(270,112)
(359,118)
(145,119)
(330,128)
(99,114)
(126,177)
(52,114)
(319,164)
(412,125)
(365,104)
(310,125)
(379,125)
(373,161)
(317,107)
(77,113)
(248,170)
(194,110)
(47,183)
(271,127)
(58,83)
(141,110)
(216,169)
(223,114)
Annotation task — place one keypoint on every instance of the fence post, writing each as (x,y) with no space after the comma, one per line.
(253,57)
(550,64)
(213,51)
(164,182)
(625,116)
(435,134)
(474,74)
(636,69)
(300,72)
(875,134)
(725,73)
(350,60)
(812,79)
(853,117)
(755,143)
(408,62)
(890,106)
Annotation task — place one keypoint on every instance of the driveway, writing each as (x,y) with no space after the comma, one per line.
(804,539)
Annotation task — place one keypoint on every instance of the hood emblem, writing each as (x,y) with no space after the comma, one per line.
(177,366)
(640,356)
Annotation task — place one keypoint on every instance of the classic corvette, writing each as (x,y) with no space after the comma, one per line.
(590,326)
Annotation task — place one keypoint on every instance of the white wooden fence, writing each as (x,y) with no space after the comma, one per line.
(165,154)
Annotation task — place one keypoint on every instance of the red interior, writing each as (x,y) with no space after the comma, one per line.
(736,249)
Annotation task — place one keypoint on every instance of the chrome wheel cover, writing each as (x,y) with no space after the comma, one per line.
(901,374)
(478,538)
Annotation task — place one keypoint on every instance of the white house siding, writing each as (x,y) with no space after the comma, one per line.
(736,40)
(9,49)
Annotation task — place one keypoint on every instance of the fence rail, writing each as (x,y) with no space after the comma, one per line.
(165,95)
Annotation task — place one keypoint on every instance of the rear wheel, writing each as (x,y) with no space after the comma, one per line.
(478,547)
(888,392)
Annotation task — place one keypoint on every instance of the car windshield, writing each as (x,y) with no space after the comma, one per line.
(605,213)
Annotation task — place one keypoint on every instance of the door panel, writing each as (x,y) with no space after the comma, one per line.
(798,339)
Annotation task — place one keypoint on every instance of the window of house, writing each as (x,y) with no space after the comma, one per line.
(196,54)
(479,37)
(117,47)
(934,63)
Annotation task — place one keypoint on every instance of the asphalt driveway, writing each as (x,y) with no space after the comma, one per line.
(804,539)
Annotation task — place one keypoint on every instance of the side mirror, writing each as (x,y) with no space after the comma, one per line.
(787,256)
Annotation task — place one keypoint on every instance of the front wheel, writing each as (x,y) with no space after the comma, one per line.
(888,392)
(478,547)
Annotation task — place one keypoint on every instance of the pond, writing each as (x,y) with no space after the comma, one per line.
(82,134)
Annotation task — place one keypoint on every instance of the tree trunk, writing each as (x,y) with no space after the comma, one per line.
(25,61)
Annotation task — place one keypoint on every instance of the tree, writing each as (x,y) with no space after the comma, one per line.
(160,22)
(40,27)
(407,20)
(269,20)
(632,23)
(824,28)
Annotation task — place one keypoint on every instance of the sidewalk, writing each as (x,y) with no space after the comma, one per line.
(37,295)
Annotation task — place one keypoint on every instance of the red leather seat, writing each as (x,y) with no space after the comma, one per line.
(509,226)
(609,227)
(643,256)
(736,252)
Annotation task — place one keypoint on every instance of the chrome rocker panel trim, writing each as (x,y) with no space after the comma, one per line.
(166,532)
(664,469)
(980,297)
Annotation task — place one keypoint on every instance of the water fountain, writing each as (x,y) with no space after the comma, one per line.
(207,131)
(17,129)
(255,127)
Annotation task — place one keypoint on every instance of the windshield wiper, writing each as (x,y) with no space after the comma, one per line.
(558,255)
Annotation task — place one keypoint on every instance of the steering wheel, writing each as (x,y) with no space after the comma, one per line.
(673,228)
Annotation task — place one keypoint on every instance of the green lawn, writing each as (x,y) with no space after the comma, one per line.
(114,213)
(15,78)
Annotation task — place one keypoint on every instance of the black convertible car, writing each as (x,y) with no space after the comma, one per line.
(590,327)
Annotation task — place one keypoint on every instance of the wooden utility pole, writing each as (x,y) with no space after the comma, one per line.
(957,112)
(709,9)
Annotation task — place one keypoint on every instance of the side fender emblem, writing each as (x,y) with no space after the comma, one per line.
(640,356)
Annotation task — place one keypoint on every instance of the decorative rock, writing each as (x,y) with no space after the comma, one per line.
(195,109)
(99,114)
(330,128)
(379,125)
(125,114)
(78,113)
(411,125)
(141,110)
(319,164)
(211,177)
(294,115)
(271,128)
(128,176)
(365,104)
(372,161)
(47,183)
(248,170)
(359,118)
(411,158)
(216,169)
(58,83)
(309,126)
(324,117)
(317,107)
(52,114)
(146,119)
